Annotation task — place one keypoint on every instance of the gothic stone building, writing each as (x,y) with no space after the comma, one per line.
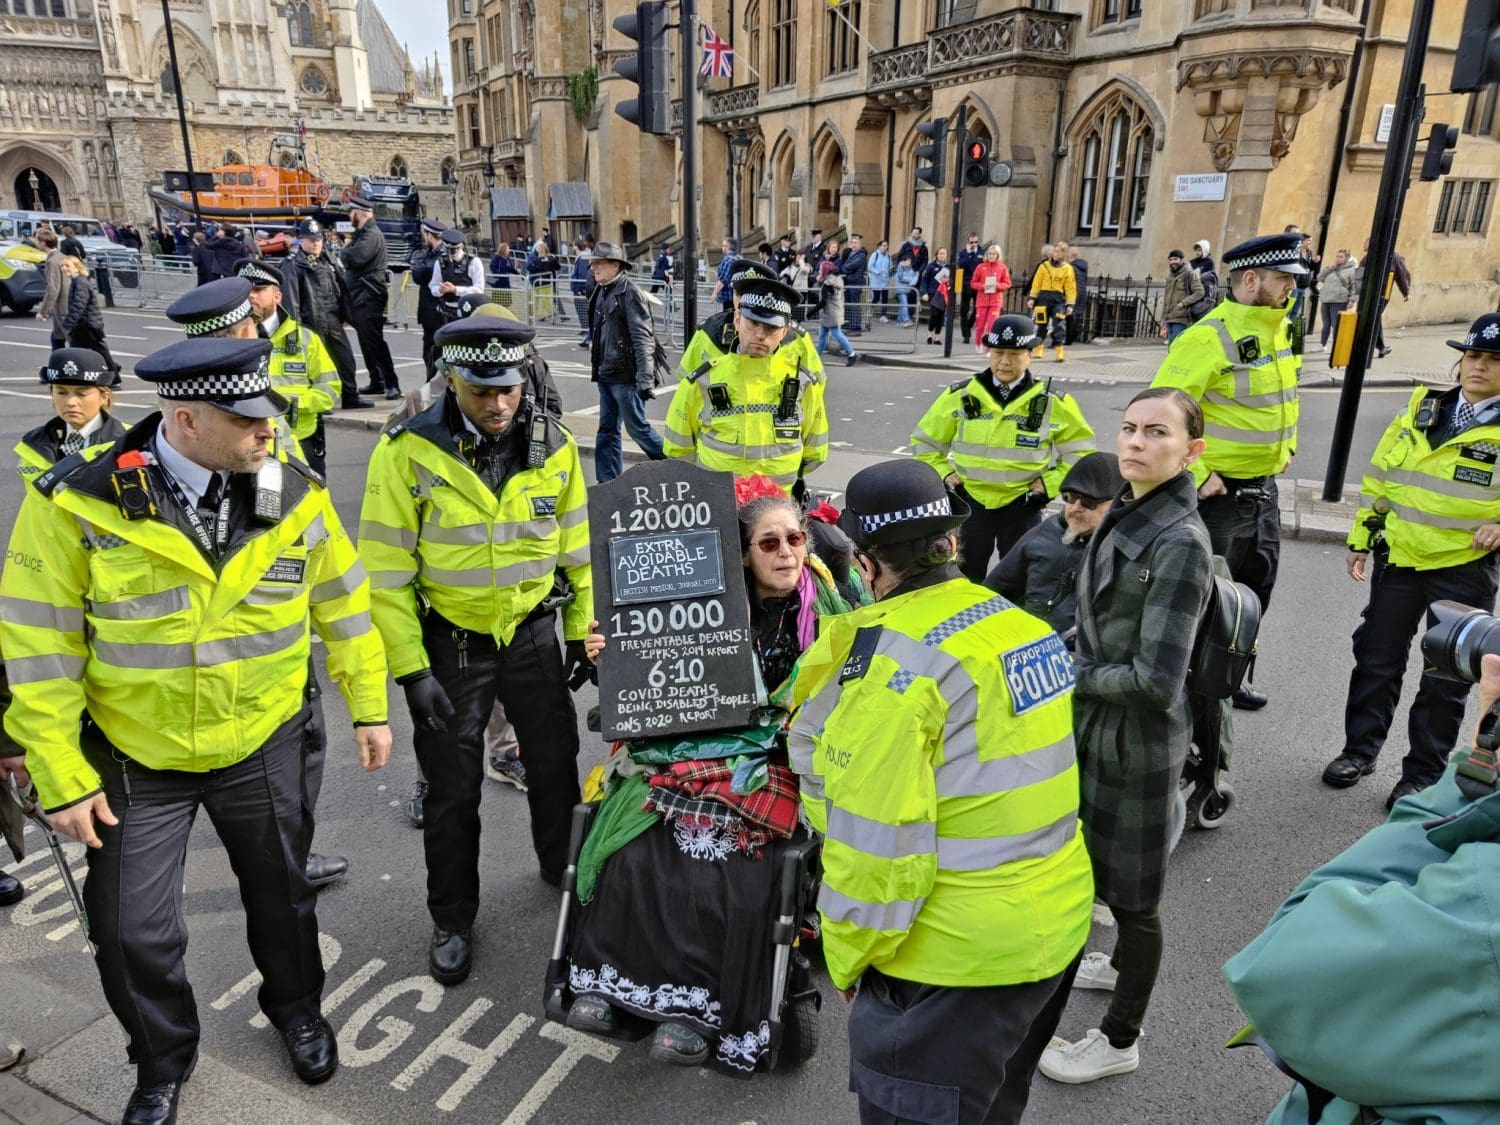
(1103,108)
(86,105)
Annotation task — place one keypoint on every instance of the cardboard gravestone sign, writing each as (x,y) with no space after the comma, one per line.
(669,592)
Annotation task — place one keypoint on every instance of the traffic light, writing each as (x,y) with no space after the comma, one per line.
(1477,63)
(933,153)
(977,163)
(1438,160)
(650,69)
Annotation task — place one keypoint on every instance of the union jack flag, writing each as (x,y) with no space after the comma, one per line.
(718,55)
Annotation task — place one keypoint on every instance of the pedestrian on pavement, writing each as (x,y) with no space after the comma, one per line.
(1053,294)
(429,314)
(302,371)
(723,291)
(906,292)
(81,385)
(664,281)
(367,280)
(1040,573)
(203,258)
(224,249)
(622,360)
(989,281)
(937,301)
(54,306)
(880,280)
(758,410)
(71,247)
(463,579)
(1184,289)
(1398,276)
(916,249)
(542,270)
(800,277)
(1203,260)
(814,250)
(1077,321)
(854,265)
(182,241)
(956,893)
(582,285)
(968,261)
(783,255)
(831,311)
(1003,441)
(199,548)
(763,253)
(1431,520)
(1237,362)
(83,323)
(1338,285)
(928,283)
(1135,638)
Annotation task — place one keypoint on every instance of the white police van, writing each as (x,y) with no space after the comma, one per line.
(124,262)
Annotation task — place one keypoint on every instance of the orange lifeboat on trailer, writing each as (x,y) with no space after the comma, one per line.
(278,192)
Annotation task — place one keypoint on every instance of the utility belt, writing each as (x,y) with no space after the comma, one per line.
(1249,493)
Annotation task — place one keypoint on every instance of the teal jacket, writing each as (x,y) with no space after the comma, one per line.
(1379,979)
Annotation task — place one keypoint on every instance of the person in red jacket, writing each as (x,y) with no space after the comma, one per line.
(991,280)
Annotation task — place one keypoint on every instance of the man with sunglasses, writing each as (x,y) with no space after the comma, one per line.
(1004,441)
(472,509)
(1040,573)
(968,261)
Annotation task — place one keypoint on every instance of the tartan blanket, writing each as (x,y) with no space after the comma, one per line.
(701,819)
(772,807)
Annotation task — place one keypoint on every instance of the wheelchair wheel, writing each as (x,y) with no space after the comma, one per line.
(799,1035)
(1215,806)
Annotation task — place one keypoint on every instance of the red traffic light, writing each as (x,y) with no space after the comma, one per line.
(978,150)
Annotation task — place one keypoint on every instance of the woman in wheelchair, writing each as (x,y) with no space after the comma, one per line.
(675,927)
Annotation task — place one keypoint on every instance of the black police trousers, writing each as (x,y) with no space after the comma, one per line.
(262,812)
(528,679)
(950,1056)
(1399,597)
(368,317)
(992,532)
(1247,534)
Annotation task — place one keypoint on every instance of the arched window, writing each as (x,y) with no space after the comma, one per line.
(398,167)
(1114,146)
(312,83)
(168,83)
(299,23)
(232,157)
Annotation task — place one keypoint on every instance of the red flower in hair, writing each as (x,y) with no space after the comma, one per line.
(824,513)
(747,489)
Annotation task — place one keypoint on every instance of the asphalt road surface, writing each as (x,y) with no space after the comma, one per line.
(482,1051)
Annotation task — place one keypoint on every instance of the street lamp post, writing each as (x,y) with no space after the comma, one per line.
(739,153)
(489,186)
(36,190)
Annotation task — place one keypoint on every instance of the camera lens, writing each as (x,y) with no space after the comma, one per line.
(1459,637)
(135,500)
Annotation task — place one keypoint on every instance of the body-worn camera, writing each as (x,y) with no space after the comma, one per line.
(1459,637)
(1247,500)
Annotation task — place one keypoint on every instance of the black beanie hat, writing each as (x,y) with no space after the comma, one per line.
(1096,476)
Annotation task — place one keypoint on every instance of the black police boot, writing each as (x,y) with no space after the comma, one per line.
(1347,769)
(1403,788)
(1248,699)
(356,404)
(11,891)
(372,390)
(313,1050)
(155,1105)
(414,803)
(325,869)
(451,956)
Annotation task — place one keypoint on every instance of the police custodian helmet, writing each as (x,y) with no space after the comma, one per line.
(896,501)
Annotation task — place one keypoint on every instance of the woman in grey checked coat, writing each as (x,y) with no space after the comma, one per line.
(1142,588)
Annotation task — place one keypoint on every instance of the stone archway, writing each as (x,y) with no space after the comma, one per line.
(67,191)
(829,159)
(785,212)
(40,195)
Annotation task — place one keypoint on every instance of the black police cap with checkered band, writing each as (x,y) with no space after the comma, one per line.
(1280,252)
(211,307)
(258,272)
(748,267)
(231,374)
(1483,336)
(77,367)
(1011,331)
(896,501)
(766,300)
(485,350)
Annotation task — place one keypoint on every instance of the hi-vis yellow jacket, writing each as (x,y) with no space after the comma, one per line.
(997,451)
(934,744)
(431,531)
(1055,277)
(728,415)
(1432,500)
(1237,362)
(183,666)
(41,448)
(302,370)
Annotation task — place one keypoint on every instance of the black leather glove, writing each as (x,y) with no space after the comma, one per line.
(1036,499)
(427,701)
(578,667)
(799,492)
(647,393)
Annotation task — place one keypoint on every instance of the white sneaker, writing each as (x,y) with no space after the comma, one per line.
(1095,971)
(1090,1058)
